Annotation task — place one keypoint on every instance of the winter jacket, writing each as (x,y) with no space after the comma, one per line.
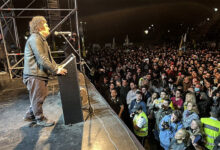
(37,58)
(188,117)
(167,134)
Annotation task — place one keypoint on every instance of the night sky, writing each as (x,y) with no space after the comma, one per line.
(118,18)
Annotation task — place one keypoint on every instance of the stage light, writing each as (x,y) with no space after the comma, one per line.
(25,37)
(208,19)
(152,25)
(168,31)
(149,27)
(146,31)
(215,9)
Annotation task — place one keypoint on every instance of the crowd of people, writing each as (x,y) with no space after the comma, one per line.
(163,95)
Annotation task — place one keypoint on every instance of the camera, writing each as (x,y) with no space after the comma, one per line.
(165,125)
(133,114)
(155,108)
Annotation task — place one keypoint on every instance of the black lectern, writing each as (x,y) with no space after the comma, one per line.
(70,92)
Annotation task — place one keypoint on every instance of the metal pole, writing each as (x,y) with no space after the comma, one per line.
(77,32)
(8,27)
(16,34)
(17,63)
(20,17)
(81,63)
(70,45)
(4,4)
(70,19)
(34,9)
(18,68)
(19,13)
(26,7)
(63,20)
(6,52)
(12,54)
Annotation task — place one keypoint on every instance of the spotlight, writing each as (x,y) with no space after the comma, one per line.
(146,31)
(208,19)
(215,9)
(149,27)
(168,31)
(152,25)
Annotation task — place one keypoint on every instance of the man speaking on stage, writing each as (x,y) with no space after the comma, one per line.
(38,65)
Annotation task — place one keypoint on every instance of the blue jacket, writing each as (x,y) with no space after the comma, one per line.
(142,103)
(167,134)
(188,117)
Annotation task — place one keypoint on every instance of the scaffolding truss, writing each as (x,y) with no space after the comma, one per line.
(53,10)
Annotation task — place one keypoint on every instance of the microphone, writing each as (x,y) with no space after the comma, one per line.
(62,32)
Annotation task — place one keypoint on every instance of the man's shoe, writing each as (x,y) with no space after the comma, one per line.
(45,122)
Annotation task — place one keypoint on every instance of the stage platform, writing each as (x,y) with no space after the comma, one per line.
(101,131)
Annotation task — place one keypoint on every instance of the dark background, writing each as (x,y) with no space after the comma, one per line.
(106,19)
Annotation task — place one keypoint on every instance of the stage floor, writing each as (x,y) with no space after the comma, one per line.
(102,131)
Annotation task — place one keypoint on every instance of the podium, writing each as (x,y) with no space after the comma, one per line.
(70,92)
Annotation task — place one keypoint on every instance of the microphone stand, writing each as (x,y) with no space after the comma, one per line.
(82,63)
(82,60)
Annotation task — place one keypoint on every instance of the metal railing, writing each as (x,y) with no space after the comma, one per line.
(18,65)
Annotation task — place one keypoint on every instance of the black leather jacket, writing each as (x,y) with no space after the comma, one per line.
(37,58)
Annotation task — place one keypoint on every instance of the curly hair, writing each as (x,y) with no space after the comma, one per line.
(36,24)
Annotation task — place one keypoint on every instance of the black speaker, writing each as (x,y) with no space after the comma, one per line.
(70,92)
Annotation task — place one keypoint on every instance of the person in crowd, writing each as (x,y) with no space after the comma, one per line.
(98,77)
(168,127)
(124,89)
(138,101)
(217,143)
(139,73)
(123,94)
(197,91)
(158,102)
(150,101)
(177,100)
(155,87)
(163,81)
(145,93)
(108,92)
(170,72)
(204,105)
(104,87)
(171,85)
(189,114)
(165,110)
(195,130)
(216,98)
(211,127)
(118,86)
(179,142)
(190,97)
(209,89)
(132,93)
(187,83)
(134,79)
(116,103)
(140,124)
